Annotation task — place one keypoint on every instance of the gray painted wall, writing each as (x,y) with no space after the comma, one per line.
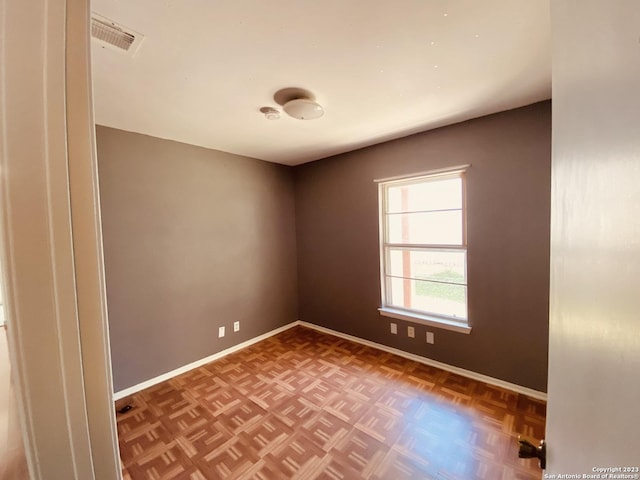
(193,239)
(508,198)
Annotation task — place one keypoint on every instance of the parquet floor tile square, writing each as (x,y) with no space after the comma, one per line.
(366,389)
(255,359)
(231,373)
(308,405)
(221,400)
(334,468)
(168,463)
(294,380)
(394,362)
(267,435)
(273,368)
(229,461)
(296,411)
(252,383)
(298,458)
(191,416)
(336,356)
(385,373)
(320,392)
(401,467)
(321,368)
(347,407)
(204,439)
(382,424)
(361,452)
(325,429)
(340,377)
(265,469)
(399,400)
(142,441)
(242,416)
(272,395)
(139,418)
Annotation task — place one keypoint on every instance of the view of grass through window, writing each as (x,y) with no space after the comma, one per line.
(445,291)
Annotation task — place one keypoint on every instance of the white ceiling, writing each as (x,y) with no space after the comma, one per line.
(382,69)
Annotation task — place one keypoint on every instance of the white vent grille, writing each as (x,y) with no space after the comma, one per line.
(113,36)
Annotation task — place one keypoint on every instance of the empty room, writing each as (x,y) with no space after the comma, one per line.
(326,237)
(319,240)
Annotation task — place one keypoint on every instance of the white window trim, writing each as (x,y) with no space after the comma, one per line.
(429,319)
(429,173)
(424,319)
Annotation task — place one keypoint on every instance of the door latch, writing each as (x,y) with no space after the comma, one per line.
(529,450)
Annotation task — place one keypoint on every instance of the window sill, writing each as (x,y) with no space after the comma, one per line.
(425,320)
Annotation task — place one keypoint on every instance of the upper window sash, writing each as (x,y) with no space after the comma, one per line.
(441,202)
(457,202)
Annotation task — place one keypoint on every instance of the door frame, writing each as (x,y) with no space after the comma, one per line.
(51,242)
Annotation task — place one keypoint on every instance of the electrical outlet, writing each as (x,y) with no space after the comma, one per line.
(411,332)
(430,338)
(220,332)
(394,328)
(236,326)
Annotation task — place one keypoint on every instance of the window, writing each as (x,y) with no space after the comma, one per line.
(424,249)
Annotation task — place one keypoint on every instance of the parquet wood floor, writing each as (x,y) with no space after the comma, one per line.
(307,405)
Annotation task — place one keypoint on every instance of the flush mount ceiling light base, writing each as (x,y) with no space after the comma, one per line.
(299,103)
(270,113)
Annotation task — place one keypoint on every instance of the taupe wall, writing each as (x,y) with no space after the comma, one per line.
(194,239)
(508,241)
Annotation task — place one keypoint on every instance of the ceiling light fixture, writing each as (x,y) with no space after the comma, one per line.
(303,108)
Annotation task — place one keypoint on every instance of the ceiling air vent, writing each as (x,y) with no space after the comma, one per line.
(116,37)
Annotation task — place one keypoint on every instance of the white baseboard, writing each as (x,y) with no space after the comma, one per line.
(401,353)
(427,361)
(178,371)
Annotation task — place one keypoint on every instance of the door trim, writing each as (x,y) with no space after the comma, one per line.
(56,331)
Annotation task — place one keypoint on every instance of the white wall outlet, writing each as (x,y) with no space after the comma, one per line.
(430,338)
(220,332)
(236,326)
(411,332)
(394,328)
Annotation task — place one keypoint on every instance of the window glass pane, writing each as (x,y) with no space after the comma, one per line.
(428,195)
(429,297)
(427,265)
(436,228)
(427,213)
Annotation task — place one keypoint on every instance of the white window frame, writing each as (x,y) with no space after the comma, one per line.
(418,316)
